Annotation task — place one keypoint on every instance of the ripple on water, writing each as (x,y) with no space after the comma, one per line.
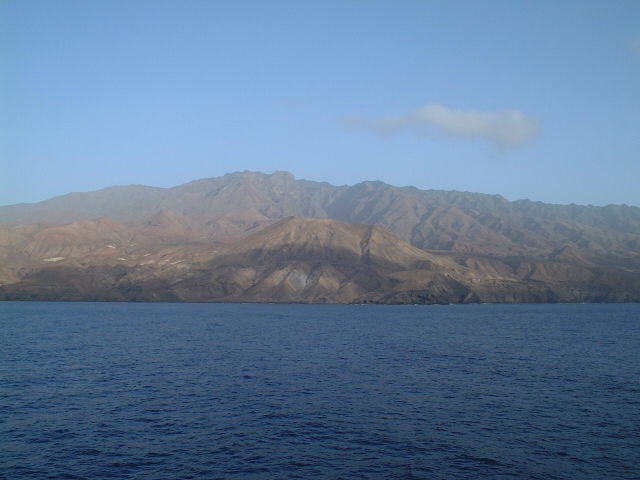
(149,391)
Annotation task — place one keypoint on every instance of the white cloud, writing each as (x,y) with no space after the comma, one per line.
(504,128)
(635,45)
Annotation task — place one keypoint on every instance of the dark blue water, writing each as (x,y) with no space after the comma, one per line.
(178,391)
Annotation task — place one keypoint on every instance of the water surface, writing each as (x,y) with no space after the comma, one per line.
(204,391)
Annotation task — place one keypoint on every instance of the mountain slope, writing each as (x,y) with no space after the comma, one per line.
(293,260)
(229,207)
(256,237)
(317,260)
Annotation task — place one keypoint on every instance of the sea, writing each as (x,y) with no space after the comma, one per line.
(271,391)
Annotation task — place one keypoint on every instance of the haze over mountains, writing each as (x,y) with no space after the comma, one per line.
(255,237)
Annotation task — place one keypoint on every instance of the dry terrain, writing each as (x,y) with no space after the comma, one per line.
(271,238)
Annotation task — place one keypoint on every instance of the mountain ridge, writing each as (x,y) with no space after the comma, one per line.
(431,219)
(188,186)
(464,246)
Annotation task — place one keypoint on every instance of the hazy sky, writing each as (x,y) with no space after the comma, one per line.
(531,99)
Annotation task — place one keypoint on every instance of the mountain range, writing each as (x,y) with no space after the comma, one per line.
(250,236)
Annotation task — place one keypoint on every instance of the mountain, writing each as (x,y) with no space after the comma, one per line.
(256,237)
(230,206)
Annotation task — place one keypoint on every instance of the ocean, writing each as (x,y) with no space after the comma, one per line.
(246,391)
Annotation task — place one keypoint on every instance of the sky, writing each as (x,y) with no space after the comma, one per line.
(526,99)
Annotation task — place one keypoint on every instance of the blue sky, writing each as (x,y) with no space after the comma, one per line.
(534,99)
